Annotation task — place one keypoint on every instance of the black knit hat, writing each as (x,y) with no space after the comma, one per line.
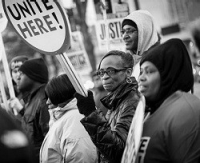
(129,22)
(36,70)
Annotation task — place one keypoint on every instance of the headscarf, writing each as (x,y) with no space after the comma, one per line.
(174,65)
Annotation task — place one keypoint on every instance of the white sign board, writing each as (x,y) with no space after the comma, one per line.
(42,24)
(135,133)
(114,29)
(77,54)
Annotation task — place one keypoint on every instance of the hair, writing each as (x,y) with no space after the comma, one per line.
(59,89)
(127,58)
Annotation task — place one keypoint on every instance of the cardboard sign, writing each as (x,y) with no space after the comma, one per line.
(113,26)
(78,55)
(135,133)
(42,24)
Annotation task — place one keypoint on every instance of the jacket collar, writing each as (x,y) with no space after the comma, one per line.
(112,99)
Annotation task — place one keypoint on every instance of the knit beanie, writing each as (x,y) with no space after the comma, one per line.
(36,70)
(129,22)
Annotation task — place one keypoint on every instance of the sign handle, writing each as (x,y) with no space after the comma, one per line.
(106,25)
(71,73)
(7,70)
(3,93)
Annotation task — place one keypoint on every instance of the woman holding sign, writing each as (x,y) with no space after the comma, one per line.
(109,133)
(172,132)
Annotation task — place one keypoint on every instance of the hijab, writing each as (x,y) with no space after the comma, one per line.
(174,65)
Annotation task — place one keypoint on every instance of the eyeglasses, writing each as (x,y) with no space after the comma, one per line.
(109,71)
(128,31)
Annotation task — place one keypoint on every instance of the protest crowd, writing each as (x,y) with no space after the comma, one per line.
(48,121)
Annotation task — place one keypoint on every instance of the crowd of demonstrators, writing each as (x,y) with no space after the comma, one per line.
(34,113)
(139,34)
(172,131)
(109,133)
(14,144)
(67,139)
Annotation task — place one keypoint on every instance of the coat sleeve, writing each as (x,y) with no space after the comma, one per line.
(44,117)
(110,141)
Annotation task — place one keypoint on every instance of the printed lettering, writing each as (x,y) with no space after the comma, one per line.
(142,149)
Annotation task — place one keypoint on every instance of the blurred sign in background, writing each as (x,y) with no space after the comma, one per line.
(86,16)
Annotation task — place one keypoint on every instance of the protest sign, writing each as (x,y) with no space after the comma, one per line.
(115,40)
(135,133)
(41,23)
(44,26)
(77,54)
(3,58)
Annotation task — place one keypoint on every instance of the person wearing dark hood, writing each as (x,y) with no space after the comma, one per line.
(34,114)
(109,133)
(172,131)
(139,34)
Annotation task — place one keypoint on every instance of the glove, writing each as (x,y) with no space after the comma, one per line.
(86,105)
(15,105)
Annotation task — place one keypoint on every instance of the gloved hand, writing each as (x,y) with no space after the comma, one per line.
(86,105)
(15,105)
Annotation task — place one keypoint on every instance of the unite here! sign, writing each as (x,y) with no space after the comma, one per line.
(42,24)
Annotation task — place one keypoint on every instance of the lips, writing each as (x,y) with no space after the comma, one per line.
(142,88)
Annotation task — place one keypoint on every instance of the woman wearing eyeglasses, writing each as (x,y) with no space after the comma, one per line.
(139,34)
(109,133)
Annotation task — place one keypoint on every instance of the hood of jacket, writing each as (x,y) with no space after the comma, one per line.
(114,98)
(58,112)
(147,33)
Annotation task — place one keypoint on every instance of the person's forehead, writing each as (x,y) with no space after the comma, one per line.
(111,61)
(129,27)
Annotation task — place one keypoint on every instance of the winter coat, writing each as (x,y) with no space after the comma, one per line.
(67,140)
(35,117)
(109,133)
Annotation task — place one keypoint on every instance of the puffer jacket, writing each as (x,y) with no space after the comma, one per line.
(109,133)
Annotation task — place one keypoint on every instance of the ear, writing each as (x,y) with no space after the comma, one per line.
(129,72)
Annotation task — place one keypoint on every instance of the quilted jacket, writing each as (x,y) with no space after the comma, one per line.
(109,133)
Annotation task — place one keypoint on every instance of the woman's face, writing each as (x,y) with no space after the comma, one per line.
(130,37)
(149,80)
(115,72)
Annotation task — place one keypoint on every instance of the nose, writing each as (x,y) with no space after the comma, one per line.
(105,76)
(141,77)
(125,36)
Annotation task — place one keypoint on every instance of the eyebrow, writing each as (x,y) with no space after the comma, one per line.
(129,28)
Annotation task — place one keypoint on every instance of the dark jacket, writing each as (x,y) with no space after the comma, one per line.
(109,133)
(35,118)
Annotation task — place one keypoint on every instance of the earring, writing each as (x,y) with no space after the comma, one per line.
(128,80)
